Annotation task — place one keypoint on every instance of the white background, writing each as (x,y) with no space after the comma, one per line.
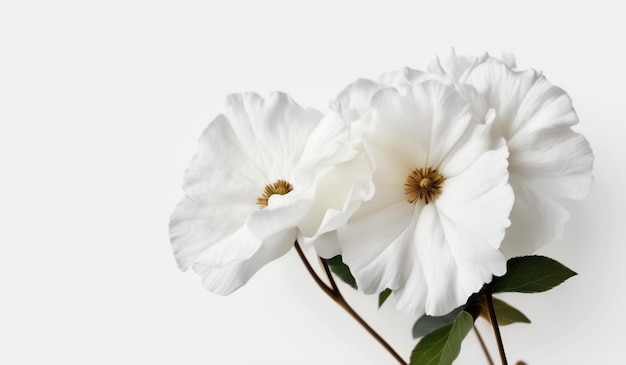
(101,106)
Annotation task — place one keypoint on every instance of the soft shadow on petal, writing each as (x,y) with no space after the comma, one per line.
(504,90)
(226,279)
(479,200)
(211,176)
(199,228)
(355,98)
(555,161)
(439,266)
(326,146)
(273,131)
(536,219)
(338,195)
(284,212)
(366,243)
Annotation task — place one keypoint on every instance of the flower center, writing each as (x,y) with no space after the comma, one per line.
(280,187)
(424,184)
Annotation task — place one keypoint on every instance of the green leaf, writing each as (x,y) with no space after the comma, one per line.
(506,314)
(341,270)
(531,274)
(443,345)
(426,324)
(383,296)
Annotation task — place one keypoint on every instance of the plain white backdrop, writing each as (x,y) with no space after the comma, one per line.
(101,106)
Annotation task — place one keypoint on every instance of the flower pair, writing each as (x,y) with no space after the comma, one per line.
(414,178)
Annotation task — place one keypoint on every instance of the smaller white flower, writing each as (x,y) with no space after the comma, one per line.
(548,161)
(433,228)
(252,184)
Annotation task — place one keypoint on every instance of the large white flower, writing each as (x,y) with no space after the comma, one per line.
(433,228)
(251,185)
(548,161)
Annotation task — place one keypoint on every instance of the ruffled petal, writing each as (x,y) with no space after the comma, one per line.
(272,131)
(454,66)
(504,90)
(431,118)
(355,98)
(548,161)
(218,228)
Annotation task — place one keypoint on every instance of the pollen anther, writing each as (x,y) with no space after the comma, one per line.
(424,184)
(280,187)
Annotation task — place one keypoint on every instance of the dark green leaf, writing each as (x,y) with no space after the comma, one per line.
(383,296)
(531,274)
(443,345)
(426,324)
(506,314)
(341,270)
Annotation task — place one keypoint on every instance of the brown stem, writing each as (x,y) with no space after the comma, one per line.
(483,346)
(494,324)
(336,296)
(329,275)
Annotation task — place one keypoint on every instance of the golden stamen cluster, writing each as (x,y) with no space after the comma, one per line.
(280,187)
(424,184)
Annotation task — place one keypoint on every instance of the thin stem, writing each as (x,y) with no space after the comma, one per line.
(483,346)
(329,275)
(494,324)
(336,296)
(312,272)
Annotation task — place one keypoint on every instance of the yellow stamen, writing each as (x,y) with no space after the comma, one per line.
(280,187)
(424,184)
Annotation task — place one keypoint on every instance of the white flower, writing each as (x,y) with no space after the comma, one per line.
(250,186)
(432,230)
(548,161)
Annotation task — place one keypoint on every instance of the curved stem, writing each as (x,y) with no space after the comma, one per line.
(336,296)
(312,272)
(329,275)
(494,324)
(342,302)
(482,345)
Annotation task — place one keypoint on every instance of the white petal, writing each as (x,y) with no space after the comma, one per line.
(283,212)
(455,66)
(273,132)
(536,219)
(371,245)
(214,233)
(218,228)
(355,98)
(479,200)
(211,176)
(339,194)
(226,279)
(556,161)
(504,90)
(425,124)
(548,160)
(439,267)
(327,146)
(455,266)
(326,245)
